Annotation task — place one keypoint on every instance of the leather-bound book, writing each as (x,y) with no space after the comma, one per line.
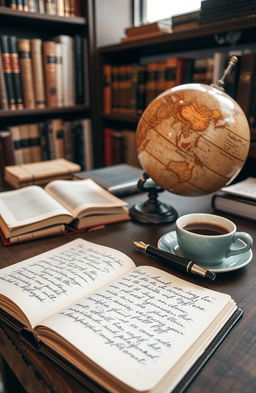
(7,71)
(50,74)
(16,75)
(26,72)
(38,77)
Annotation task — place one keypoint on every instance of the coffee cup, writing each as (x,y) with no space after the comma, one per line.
(207,238)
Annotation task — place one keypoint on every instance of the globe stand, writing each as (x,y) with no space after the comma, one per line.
(152,211)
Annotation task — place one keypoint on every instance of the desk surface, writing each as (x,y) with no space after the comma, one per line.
(232,368)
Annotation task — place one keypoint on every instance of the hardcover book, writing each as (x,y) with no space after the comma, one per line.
(114,326)
(25,213)
(39,172)
(119,179)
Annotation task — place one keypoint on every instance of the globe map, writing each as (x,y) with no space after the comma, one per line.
(193,139)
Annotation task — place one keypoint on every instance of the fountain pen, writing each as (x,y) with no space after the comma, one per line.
(179,263)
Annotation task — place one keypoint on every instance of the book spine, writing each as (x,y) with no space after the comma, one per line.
(44,141)
(7,148)
(57,131)
(59,72)
(50,75)
(142,83)
(25,143)
(25,5)
(26,73)
(6,61)
(107,88)
(3,90)
(151,81)
(78,144)
(16,140)
(67,7)
(245,83)
(60,8)
(12,4)
(41,6)
(19,5)
(34,137)
(31,6)
(16,75)
(51,7)
(37,66)
(79,66)
(88,147)
(108,146)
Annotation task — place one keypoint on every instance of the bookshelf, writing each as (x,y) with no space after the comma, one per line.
(225,36)
(28,25)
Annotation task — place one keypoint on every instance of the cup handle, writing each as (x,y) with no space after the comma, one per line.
(246,238)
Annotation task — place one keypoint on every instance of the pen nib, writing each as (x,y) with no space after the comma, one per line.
(140,244)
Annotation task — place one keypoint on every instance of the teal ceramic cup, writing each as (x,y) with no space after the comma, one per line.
(208,238)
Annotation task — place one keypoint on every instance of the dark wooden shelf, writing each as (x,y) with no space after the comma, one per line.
(14,116)
(40,18)
(200,37)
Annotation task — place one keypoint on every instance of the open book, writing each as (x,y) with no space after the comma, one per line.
(33,212)
(130,329)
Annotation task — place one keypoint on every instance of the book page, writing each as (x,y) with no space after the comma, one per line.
(245,188)
(46,283)
(145,323)
(80,195)
(30,204)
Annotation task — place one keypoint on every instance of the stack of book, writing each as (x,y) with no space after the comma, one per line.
(39,74)
(218,10)
(50,139)
(53,7)
(149,30)
(238,199)
(19,176)
(185,21)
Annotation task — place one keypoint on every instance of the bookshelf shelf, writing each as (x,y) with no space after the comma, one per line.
(7,14)
(203,36)
(236,34)
(9,115)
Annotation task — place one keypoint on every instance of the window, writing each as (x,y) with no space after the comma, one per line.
(147,11)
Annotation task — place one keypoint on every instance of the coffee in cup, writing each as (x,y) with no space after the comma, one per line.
(207,238)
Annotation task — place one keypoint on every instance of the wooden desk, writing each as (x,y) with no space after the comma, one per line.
(233,366)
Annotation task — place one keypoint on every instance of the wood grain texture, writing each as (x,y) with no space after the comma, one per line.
(230,369)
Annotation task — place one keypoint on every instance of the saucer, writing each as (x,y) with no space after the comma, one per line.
(168,242)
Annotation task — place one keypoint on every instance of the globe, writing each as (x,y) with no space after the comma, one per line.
(193,139)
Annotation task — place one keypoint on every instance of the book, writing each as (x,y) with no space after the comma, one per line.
(239,206)
(34,142)
(76,204)
(154,27)
(7,149)
(7,71)
(17,146)
(238,198)
(82,304)
(107,71)
(245,188)
(3,91)
(16,74)
(26,73)
(50,73)
(68,67)
(119,179)
(37,66)
(39,172)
